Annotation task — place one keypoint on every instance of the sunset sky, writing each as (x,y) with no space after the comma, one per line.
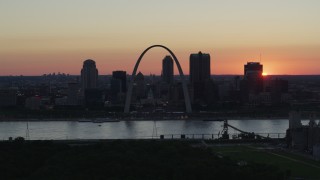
(45,36)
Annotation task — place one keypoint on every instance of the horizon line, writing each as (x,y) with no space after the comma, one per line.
(160,75)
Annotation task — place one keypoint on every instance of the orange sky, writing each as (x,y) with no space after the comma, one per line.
(295,60)
(44,36)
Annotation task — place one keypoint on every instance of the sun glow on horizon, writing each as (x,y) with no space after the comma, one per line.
(264,74)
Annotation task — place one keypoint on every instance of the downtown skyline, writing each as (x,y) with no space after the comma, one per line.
(40,37)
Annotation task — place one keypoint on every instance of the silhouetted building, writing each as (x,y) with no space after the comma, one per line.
(199,67)
(119,82)
(118,86)
(89,75)
(140,86)
(199,75)
(253,76)
(252,84)
(167,70)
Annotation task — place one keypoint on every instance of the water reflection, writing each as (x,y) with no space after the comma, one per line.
(132,129)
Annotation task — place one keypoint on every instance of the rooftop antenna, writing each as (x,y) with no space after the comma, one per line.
(260,57)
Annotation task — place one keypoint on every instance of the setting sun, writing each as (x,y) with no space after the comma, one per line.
(264,74)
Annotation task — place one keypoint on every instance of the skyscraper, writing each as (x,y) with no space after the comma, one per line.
(253,76)
(119,82)
(89,75)
(140,86)
(199,67)
(118,86)
(167,70)
(253,70)
(199,76)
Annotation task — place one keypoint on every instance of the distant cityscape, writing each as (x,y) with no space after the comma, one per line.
(234,95)
(164,93)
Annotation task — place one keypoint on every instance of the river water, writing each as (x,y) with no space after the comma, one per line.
(45,130)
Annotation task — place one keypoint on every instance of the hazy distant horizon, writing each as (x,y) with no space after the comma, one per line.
(56,73)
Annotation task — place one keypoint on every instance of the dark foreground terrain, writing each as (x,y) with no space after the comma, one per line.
(123,160)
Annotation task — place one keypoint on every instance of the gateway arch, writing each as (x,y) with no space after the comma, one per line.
(184,84)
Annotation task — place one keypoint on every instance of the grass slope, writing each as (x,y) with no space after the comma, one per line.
(123,160)
(297,166)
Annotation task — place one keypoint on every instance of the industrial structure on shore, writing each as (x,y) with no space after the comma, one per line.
(304,137)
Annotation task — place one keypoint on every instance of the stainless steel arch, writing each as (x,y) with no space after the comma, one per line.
(184,84)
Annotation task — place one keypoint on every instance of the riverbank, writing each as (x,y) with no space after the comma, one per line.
(137,119)
(141,129)
(75,114)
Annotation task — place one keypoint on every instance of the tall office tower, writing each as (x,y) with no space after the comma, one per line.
(199,67)
(120,80)
(89,75)
(199,76)
(253,70)
(140,86)
(253,76)
(167,70)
